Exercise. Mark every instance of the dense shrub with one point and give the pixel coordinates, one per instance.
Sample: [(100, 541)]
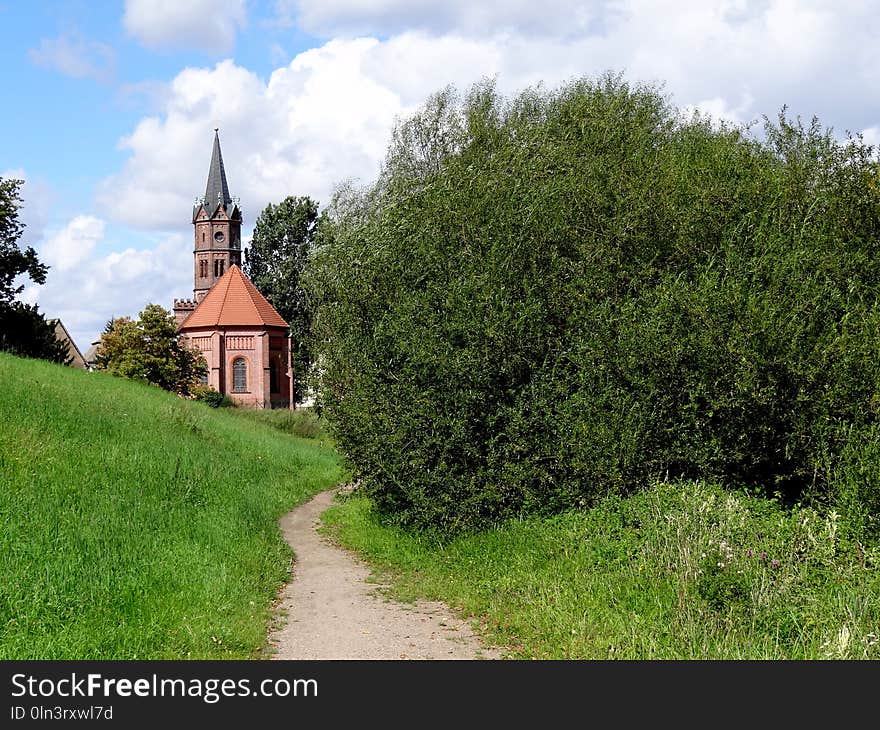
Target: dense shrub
[(548, 299), (211, 397)]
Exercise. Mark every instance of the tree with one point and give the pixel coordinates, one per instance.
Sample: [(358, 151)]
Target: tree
[(568, 294), (150, 349), (23, 330), (284, 237)]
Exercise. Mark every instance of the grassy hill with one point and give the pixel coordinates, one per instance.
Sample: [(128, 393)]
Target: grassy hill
[(137, 525)]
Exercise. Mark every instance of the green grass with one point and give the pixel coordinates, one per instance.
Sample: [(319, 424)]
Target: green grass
[(302, 422), (681, 571), (134, 524)]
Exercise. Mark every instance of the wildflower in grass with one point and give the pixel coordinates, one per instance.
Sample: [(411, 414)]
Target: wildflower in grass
[(749, 552), (774, 563), (764, 555)]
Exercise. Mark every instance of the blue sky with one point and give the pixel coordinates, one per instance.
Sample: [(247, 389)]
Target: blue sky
[(111, 105)]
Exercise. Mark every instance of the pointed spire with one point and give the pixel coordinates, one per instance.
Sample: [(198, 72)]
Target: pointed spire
[(217, 189)]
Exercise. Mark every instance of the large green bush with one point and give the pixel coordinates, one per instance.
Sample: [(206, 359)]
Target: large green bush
[(558, 296)]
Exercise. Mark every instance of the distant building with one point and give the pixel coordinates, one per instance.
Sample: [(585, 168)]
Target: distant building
[(243, 339), (63, 336), (91, 356)]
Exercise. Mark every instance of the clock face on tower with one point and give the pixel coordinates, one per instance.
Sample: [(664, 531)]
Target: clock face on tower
[(218, 236)]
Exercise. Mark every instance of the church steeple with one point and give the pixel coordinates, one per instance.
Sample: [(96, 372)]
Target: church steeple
[(217, 189), (217, 221)]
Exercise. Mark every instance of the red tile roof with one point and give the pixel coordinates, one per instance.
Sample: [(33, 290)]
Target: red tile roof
[(233, 300)]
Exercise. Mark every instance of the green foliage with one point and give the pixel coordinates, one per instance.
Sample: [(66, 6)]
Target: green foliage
[(567, 294), (13, 261), (207, 395), (680, 570), (150, 349), (139, 525), (284, 236), (719, 583), (23, 330)]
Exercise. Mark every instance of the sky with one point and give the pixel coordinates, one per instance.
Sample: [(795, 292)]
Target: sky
[(110, 106)]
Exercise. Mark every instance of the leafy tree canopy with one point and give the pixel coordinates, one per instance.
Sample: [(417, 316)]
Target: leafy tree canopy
[(24, 331), (574, 292), (150, 349), (284, 236)]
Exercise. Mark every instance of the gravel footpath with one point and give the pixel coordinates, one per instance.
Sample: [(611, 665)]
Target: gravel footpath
[(332, 612)]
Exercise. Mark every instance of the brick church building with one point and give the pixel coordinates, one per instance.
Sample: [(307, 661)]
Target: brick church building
[(243, 339)]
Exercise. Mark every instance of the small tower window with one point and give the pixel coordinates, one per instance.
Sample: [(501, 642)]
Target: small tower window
[(239, 375)]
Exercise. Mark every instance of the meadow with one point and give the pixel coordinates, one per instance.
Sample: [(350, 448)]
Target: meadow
[(137, 525)]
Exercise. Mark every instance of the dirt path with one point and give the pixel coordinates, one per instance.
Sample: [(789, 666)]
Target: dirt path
[(333, 613)]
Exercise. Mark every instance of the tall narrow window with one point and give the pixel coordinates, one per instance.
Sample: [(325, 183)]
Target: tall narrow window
[(221, 266), (216, 266), (239, 375), (273, 376)]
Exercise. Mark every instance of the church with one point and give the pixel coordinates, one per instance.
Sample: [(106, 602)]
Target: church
[(240, 334)]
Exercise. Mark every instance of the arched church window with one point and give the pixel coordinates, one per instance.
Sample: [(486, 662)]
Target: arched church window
[(239, 375), (222, 263)]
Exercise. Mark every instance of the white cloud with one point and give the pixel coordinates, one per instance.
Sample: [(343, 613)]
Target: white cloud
[(385, 17), (72, 244), (202, 24), (102, 286), (327, 115), (777, 51), (718, 109), (315, 121), (871, 135), (73, 55)]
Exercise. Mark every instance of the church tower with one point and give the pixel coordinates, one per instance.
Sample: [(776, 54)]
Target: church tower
[(217, 223), (245, 342)]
